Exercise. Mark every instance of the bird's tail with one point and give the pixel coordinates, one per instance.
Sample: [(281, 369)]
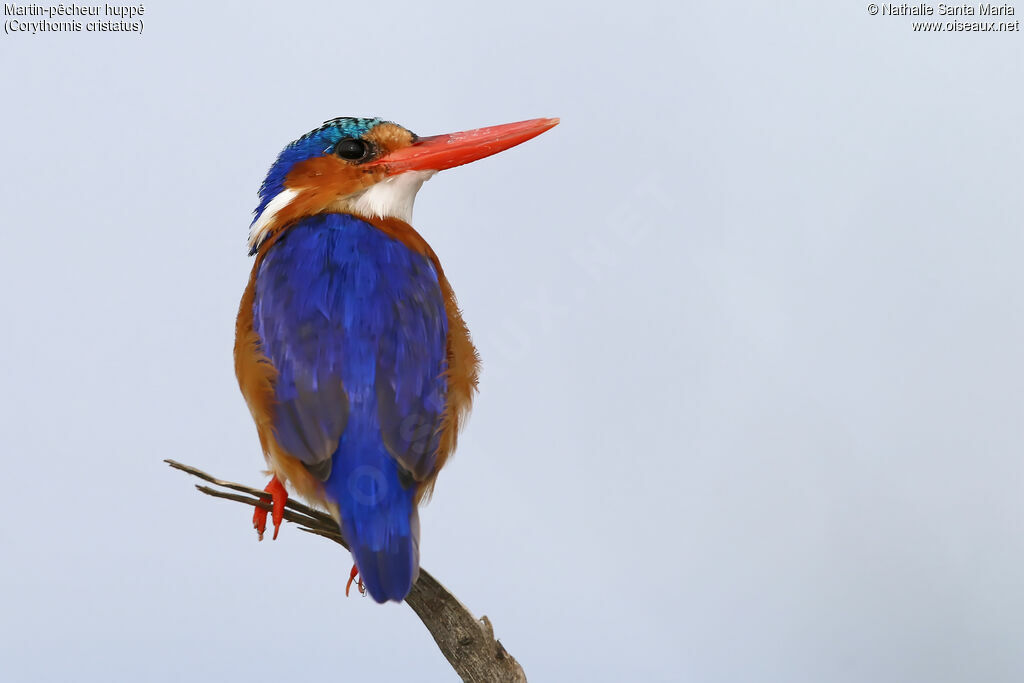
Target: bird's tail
[(380, 522)]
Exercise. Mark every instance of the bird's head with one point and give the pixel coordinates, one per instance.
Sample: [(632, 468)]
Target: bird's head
[(368, 167)]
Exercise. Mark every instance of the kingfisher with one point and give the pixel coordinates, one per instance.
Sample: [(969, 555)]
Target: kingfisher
[(350, 348)]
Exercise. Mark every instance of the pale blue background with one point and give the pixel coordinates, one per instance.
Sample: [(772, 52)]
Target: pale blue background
[(750, 319)]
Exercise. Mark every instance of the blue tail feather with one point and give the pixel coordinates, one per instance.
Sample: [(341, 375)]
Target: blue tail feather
[(378, 517)]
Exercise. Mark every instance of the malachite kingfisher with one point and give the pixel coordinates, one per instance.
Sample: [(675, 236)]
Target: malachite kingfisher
[(350, 348)]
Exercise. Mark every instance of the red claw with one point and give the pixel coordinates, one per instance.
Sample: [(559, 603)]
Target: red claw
[(352, 577), (278, 497)]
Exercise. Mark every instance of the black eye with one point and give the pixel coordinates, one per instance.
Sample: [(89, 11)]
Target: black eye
[(352, 149)]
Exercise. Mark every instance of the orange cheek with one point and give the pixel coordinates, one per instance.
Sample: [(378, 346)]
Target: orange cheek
[(320, 182), (331, 173)]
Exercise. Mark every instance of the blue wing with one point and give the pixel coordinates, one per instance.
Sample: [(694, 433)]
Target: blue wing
[(354, 322)]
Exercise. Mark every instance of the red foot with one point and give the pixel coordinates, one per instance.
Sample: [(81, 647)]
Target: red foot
[(278, 497), (352, 577)]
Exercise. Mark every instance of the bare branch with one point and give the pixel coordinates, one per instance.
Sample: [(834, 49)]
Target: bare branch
[(467, 643), (291, 503)]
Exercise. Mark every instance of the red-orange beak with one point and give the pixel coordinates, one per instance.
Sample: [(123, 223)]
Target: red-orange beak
[(438, 152)]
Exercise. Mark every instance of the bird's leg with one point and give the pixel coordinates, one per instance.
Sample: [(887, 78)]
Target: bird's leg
[(352, 577), (278, 497)]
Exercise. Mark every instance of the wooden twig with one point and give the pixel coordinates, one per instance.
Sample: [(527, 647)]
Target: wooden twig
[(467, 643)]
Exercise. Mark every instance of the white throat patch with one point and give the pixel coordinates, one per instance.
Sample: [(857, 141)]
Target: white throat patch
[(390, 198)]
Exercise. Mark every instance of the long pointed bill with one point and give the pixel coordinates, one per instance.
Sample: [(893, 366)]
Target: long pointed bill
[(438, 152)]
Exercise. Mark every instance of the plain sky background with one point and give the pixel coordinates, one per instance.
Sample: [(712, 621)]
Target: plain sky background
[(751, 323)]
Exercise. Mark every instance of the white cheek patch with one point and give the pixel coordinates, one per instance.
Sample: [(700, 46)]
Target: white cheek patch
[(390, 198), (261, 226)]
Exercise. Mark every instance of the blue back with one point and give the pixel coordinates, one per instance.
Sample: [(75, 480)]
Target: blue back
[(354, 322)]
